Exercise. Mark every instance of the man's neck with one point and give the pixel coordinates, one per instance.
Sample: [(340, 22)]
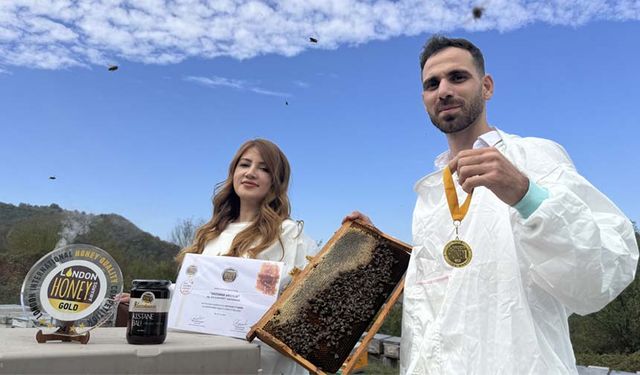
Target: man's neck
[(464, 140)]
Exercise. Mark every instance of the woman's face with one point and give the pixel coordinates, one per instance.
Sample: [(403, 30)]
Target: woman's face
[(251, 178)]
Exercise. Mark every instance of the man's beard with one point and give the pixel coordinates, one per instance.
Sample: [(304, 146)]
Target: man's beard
[(469, 113)]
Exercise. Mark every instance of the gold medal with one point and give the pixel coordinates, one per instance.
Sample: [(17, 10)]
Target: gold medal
[(457, 253)]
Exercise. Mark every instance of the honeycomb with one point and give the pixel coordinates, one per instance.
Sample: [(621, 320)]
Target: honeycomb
[(325, 316)]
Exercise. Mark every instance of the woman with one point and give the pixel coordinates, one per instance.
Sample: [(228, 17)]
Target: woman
[(251, 220)]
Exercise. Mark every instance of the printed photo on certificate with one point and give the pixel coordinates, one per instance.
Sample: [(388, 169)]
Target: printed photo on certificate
[(223, 295)]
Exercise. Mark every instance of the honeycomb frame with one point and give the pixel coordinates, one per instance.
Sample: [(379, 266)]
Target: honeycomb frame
[(356, 249)]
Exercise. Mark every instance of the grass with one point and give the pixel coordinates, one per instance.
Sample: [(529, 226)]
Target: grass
[(375, 366)]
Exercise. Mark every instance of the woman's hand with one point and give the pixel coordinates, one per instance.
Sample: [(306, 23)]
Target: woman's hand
[(123, 297)]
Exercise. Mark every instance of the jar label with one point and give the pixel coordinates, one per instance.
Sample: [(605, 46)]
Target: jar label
[(149, 303)]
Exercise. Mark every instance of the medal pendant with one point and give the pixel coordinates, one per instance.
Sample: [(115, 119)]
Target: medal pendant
[(457, 253)]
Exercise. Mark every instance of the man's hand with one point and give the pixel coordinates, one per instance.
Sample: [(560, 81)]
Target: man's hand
[(489, 168), (357, 215)]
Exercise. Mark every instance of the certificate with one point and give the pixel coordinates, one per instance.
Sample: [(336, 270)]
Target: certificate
[(223, 295)]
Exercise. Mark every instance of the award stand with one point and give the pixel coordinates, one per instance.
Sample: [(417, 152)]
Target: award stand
[(75, 289), (65, 333)]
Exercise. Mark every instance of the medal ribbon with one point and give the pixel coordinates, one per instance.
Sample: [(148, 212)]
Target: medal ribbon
[(457, 212), (456, 253)]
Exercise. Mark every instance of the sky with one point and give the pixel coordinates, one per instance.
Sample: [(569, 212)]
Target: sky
[(196, 79)]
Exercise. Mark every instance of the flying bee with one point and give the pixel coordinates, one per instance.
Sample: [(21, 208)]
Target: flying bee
[(477, 12)]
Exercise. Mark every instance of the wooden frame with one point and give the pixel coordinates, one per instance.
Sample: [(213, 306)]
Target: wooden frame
[(258, 330)]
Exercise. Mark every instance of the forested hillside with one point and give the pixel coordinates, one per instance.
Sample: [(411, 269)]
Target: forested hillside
[(28, 232)]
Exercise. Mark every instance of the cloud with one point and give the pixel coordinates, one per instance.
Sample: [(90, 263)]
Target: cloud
[(55, 34), (241, 85)]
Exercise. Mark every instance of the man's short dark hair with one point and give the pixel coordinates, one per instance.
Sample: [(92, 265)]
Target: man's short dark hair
[(439, 42)]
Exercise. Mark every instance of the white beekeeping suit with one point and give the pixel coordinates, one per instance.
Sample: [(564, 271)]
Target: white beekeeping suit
[(506, 312)]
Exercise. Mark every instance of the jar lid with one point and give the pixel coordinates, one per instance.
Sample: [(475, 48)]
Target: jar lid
[(151, 284)]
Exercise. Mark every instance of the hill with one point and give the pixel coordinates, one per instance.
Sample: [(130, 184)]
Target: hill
[(28, 232)]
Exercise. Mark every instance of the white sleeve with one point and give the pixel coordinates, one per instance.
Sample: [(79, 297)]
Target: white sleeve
[(578, 245), (297, 245)]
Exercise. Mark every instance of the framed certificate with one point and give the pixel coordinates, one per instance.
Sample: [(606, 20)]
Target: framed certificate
[(223, 295)]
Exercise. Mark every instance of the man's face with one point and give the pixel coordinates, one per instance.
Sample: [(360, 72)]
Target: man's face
[(453, 90)]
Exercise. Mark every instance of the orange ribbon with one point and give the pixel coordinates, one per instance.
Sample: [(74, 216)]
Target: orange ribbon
[(457, 212)]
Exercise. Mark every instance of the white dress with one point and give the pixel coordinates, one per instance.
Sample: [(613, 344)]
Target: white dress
[(296, 247)]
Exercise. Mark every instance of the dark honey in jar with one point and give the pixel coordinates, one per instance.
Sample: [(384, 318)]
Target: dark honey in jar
[(148, 312)]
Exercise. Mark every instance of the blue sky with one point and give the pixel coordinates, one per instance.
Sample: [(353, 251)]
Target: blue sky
[(150, 140)]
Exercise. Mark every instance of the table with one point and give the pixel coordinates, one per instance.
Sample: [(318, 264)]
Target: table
[(109, 353)]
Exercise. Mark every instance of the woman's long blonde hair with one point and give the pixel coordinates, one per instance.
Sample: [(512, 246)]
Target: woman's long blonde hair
[(274, 209)]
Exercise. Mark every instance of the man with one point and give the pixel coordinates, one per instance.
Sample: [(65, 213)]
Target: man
[(490, 292)]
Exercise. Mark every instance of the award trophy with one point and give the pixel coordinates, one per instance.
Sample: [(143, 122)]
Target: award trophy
[(73, 288)]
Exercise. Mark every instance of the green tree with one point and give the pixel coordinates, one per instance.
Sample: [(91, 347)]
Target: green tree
[(35, 236), (392, 324), (26, 242)]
